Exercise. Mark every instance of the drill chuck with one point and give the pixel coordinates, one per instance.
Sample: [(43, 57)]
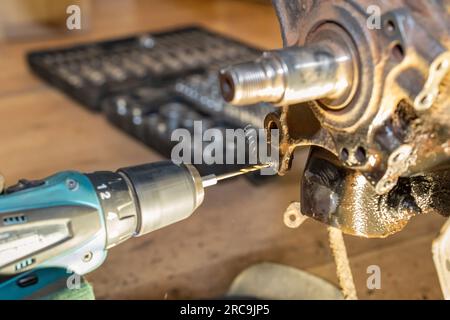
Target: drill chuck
[(164, 193), (141, 199)]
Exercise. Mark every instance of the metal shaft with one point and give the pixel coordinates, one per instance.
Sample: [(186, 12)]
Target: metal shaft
[(290, 75)]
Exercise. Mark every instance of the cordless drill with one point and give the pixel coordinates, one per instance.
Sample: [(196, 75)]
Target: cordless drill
[(69, 221)]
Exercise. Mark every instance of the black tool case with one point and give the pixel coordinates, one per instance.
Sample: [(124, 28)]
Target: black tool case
[(152, 83)]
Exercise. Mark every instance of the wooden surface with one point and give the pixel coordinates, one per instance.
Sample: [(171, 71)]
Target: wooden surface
[(43, 131)]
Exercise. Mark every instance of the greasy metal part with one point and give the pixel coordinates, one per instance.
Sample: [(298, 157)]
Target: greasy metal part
[(398, 121), (343, 198), (297, 127), (324, 70), (343, 270), (387, 129), (441, 258)]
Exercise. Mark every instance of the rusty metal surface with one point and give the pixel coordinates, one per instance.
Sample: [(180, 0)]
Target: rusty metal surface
[(343, 198), (401, 107), (379, 128), (391, 142)]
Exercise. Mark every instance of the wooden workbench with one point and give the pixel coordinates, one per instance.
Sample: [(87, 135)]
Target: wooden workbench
[(43, 131)]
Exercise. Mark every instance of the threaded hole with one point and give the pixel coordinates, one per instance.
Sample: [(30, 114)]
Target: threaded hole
[(360, 155), (344, 154), (390, 27), (272, 126), (227, 87), (398, 53)]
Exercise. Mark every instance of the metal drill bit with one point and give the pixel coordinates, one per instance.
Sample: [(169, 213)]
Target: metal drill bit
[(212, 179)]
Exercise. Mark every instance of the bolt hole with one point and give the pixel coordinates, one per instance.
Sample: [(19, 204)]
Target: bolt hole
[(387, 183), (272, 126), (227, 87), (398, 53), (390, 27), (344, 154), (426, 100), (360, 155), (442, 65)]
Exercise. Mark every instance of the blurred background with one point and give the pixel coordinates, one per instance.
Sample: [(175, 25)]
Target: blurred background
[(43, 131)]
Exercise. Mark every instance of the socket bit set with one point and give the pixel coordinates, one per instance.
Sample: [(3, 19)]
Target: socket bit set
[(90, 72), (151, 84), (152, 114)]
